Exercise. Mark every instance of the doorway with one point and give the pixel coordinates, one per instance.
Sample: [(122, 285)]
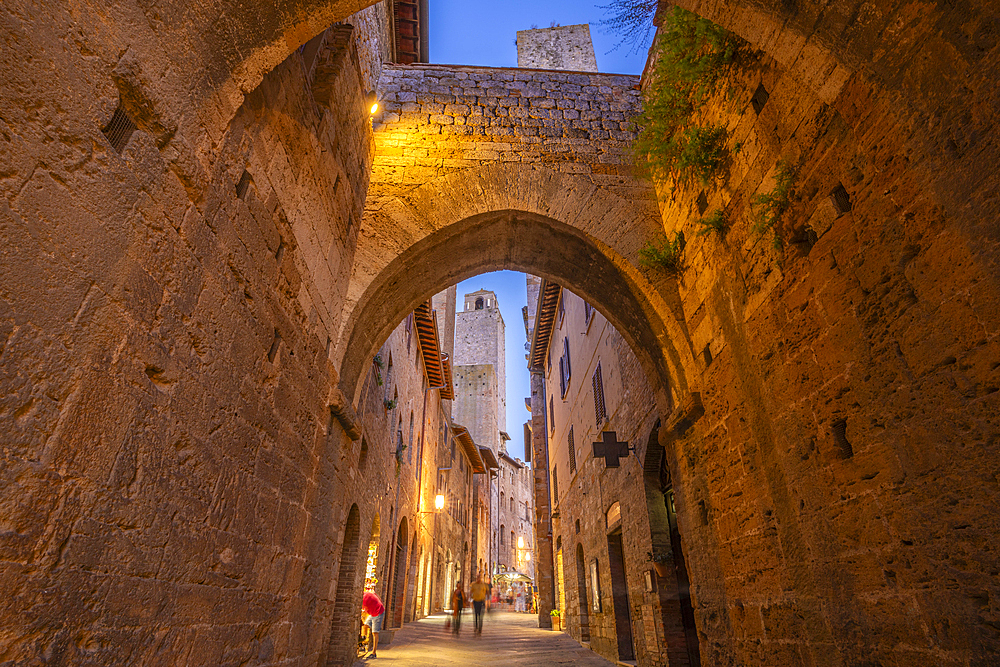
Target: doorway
[(683, 584), (581, 585), (398, 587), (619, 596)]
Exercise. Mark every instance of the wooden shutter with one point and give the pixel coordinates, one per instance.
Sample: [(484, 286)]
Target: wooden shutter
[(600, 411), (572, 450)]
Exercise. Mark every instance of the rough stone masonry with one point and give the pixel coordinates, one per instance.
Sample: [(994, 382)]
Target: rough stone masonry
[(172, 335)]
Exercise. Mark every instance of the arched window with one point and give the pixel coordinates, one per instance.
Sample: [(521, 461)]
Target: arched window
[(501, 534), (512, 504), (501, 499), (479, 303)]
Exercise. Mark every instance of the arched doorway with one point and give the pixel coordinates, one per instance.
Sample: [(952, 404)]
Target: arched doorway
[(581, 585), (411, 580), (398, 586), (341, 640)]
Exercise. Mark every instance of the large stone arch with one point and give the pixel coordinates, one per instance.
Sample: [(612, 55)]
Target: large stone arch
[(533, 243)]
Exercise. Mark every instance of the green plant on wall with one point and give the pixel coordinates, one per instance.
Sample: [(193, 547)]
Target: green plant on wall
[(664, 253), (717, 222), (768, 207), (691, 55)]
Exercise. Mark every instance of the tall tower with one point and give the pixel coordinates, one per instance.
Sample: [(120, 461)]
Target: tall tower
[(480, 405), (481, 399)]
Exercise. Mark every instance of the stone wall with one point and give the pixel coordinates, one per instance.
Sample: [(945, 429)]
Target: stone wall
[(844, 376), (437, 119)]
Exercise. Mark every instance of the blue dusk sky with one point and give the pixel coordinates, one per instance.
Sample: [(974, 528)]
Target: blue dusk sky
[(474, 32)]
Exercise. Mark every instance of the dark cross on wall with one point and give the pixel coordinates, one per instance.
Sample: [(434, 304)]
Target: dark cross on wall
[(610, 449)]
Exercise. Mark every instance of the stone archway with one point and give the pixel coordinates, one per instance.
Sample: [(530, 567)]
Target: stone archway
[(341, 640), (531, 243)]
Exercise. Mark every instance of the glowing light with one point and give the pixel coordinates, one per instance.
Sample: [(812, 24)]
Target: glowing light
[(520, 542), (527, 556), (439, 502), (374, 108)]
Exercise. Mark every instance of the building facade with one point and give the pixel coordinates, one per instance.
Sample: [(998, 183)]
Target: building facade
[(618, 570)]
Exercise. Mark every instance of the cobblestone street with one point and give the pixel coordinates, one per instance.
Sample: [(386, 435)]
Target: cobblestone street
[(507, 639)]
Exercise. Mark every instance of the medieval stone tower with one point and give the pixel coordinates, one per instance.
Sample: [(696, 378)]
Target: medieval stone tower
[(480, 371), (567, 47)]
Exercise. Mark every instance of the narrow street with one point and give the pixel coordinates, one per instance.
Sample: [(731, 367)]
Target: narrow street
[(508, 639)]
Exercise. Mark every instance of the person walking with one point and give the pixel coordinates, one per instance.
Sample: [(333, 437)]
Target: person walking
[(478, 603), (373, 612), (457, 602)]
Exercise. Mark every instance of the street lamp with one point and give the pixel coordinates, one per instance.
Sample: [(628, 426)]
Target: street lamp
[(439, 502)]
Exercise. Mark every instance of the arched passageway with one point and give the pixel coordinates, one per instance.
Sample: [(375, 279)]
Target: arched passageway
[(534, 244), (339, 646)]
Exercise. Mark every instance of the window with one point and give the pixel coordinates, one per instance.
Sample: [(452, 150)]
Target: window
[(527, 511), (588, 312), (600, 410), (759, 99), (501, 534), (555, 485), (409, 331), (399, 438), (572, 450), (564, 368), (479, 303), (562, 305), (552, 417), (512, 505), (409, 450)]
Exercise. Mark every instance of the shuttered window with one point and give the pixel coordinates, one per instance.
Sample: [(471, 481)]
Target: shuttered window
[(600, 411), (572, 450)]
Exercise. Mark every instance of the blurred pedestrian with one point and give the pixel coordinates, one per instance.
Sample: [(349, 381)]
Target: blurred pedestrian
[(457, 602), (479, 591)]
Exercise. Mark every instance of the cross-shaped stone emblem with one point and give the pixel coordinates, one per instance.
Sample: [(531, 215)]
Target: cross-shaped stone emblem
[(610, 449)]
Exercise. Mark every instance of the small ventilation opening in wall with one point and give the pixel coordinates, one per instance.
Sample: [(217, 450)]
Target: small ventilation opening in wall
[(577, 526), (702, 203), (244, 185), (119, 129), (275, 344), (280, 251), (841, 200), (707, 355), (839, 430), (364, 455), (759, 99)]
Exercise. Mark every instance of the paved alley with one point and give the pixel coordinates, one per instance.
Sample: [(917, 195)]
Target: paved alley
[(508, 639)]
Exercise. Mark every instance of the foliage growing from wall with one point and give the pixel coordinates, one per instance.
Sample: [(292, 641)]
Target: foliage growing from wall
[(769, 206), (664, 253), (691, 55), (717, 222)]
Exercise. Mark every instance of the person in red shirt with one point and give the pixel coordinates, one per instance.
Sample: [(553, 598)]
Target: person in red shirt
[(373, 611)]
